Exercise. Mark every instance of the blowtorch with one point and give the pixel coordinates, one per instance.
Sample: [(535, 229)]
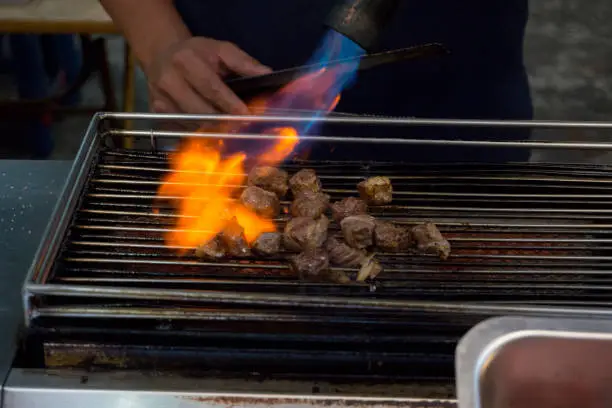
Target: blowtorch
[(362, 21)]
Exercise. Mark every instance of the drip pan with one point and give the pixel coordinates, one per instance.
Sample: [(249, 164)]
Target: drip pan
[(530, 362)]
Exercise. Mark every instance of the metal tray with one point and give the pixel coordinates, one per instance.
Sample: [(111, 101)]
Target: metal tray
[(534, 362)]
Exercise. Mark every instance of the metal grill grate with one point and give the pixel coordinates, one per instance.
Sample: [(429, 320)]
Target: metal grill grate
[(520, 233)]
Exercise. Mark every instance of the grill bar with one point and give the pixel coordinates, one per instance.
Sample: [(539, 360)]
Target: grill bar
[(360, 120), (408, 208), (191, 314)]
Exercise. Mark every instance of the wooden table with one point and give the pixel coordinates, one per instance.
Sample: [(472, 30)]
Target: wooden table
[(84, 17), (56, 16)]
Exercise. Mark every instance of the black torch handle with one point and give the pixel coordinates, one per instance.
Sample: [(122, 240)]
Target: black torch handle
[(248, 87)]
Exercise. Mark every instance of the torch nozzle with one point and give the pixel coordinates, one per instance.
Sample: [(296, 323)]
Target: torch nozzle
[(362, 20)]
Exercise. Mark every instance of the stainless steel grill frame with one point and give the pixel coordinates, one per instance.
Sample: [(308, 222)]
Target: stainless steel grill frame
[(529, 239)]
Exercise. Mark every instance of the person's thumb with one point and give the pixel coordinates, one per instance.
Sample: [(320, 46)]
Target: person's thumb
[(239, 62)]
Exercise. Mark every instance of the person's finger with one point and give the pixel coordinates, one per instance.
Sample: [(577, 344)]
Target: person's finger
[(208, 83), (159, 103), (239, 62), (174, 86)]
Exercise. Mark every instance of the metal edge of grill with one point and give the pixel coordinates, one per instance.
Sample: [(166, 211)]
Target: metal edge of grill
[(582, 258)]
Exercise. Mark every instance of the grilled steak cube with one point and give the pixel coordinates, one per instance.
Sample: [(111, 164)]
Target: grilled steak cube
[(212, 250), (369, 269), (270, 179), (309, 204), (429, 240), (389, 237), (376, 190), (233, 240), (343, 255), (313, 265), (358, 230), (305, 180), (268, 243), (304, 233), (260, 201), (348, 206)]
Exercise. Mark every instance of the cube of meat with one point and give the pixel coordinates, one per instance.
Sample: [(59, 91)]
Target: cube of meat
[(376, 190), (270, 179), (343, 255), (268, 244), (313, 265), (390, 237), (305, 180), (358, 230), (348, 206), (370, 269), (233, 240), (212, 250), (304, 233), (429, 240), (309, 204), (260, 201)]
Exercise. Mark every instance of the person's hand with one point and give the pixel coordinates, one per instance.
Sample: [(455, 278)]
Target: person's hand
[(188, 77)]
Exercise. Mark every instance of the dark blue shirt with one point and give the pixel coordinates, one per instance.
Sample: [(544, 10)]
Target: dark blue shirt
[(483, 78)]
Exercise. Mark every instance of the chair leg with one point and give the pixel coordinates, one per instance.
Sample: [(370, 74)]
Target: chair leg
[(110, 101), (106, 80), (129, 88)]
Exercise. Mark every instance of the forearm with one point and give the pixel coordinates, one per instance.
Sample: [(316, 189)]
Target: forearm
[(149, 26)]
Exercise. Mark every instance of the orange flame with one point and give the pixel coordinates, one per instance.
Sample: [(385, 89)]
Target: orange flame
[(204, 185), (283, 147)]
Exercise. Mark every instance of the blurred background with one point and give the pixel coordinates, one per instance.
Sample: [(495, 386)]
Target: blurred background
[(568, 52)]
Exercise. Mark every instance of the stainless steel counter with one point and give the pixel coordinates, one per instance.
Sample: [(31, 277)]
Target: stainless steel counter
[(28, 192)]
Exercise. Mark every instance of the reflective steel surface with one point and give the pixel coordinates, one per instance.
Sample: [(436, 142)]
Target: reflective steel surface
[(531, 362), (36, 388)]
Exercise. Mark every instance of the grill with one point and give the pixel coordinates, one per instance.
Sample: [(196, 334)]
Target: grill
[(106, 292)]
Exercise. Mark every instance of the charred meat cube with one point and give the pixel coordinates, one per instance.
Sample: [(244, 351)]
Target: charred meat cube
[(309, 204), (429, 240), (370, 269), (270, 179), (343, 255), (260, 201), (376, 190), (304, 233), (233, 240), (212, 250), (268, 244), (305, 180), (313, 265), (347, 207), (358, 230), (389, 237)]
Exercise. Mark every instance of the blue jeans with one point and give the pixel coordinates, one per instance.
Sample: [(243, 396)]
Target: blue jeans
[(37, 60)]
